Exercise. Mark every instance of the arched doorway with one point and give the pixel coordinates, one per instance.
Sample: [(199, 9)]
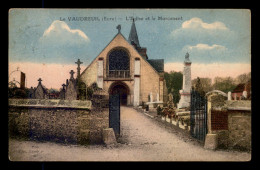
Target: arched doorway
[(121, 89)]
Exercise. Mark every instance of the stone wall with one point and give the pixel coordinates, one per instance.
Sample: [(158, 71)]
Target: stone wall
[(231, 121), (239, 131), (61, 124)]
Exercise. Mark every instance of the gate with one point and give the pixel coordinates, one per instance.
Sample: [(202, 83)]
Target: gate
[(114, 113), (198, 116)]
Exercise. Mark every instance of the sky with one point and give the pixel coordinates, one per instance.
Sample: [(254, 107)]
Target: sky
[(46, 43)]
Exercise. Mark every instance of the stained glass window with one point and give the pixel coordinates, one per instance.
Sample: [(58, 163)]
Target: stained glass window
[(118, 60)]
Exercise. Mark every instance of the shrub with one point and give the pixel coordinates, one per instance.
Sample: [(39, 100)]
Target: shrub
[(159, 110)]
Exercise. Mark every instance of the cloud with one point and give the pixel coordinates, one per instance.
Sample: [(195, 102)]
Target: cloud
[(195, 31), (61, 44), (206, 47), (208, 42), (197, 23), (59, 33), (205, 53)]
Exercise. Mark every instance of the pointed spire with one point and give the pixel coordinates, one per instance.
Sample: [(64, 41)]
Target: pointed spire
[(133, 35)]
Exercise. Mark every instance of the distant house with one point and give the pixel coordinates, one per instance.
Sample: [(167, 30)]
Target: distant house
[(237, 93), (53, 95)]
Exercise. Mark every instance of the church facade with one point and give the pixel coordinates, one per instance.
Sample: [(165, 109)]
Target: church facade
[(123, 67)]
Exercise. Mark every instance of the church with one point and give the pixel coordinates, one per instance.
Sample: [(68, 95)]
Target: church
[(123, 67)]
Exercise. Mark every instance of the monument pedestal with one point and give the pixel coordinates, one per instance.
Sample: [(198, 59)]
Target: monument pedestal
[(185, 100)]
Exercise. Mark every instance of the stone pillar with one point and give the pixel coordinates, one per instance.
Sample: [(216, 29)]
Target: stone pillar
[(151, 97), (244, 94), (100, 70), (186, 86), (137, 66), (229, 95), (157, 97), (128, 99), (161, 83), (211, 140)]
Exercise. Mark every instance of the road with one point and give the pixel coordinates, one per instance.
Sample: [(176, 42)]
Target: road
[(142, 139)]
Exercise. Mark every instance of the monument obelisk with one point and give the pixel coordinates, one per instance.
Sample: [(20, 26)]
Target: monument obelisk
[(186, 85)]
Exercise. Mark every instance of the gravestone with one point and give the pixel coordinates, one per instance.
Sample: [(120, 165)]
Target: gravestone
[(170, 97), (170, 101), (71, 91), (157, 97), (40, 91), (62, 92), (31, 93), (151, 97), (244, 94), (229, 95)]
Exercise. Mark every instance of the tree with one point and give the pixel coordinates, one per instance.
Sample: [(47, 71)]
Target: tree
[(225, 84), (243, 78), (199, 88), (206, 84), (174, 84)]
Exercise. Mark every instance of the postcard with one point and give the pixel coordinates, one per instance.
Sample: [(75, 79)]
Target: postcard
[(129, 84)]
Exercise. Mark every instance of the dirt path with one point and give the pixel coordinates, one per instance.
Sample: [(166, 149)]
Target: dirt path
[(143, 139)]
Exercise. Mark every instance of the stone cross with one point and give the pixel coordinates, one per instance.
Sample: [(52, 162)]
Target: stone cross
[(71, 74), (78, 62), (119, 28), (63, 86), (40, 80), (78, 68)]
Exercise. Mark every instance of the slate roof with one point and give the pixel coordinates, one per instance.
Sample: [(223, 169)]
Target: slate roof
[(239, 89), (158, 64)]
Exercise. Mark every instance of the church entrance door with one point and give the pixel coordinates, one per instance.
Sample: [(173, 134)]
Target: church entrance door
[(121, 90)]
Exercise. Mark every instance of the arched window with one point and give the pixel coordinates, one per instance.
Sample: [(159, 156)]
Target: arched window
[(119, 64)]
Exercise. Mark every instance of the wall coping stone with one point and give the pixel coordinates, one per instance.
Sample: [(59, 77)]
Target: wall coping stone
[(240, 108), (51, 103)]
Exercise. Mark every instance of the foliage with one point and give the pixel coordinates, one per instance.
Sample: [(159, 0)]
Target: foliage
[(159, 110), (243, 78), (224, 84), (81, 90), (18, 93), (90, 92), (174, 84), (206, 84), (199, 88)]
